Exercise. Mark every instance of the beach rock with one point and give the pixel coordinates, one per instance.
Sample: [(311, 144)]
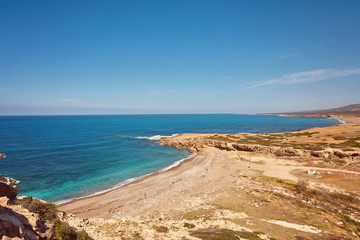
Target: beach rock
[(8, 187)]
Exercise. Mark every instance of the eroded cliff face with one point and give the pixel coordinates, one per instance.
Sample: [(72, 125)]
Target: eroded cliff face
[(8, 187), (197, 144), (17, 222)]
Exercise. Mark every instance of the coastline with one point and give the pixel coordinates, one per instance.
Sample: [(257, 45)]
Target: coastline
[(172, 167), (128, 181), (232, 185), (115, 191), (157, 138)]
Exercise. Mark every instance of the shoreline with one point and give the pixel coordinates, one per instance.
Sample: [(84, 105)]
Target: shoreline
[(172, 166), (135, 183), (129, 181), (140, 179), (237, 181)]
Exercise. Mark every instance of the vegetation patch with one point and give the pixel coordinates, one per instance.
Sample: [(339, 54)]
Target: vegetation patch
[(197, 214), (189, 225), (220, 138), (279, 140), (46, 211), (279, 153), (300, 134), (339, 138), (161, 229), (135, 236), (349, 223), (348, 150), (288, 184), (349, 143), (223, 234), (65, 232)]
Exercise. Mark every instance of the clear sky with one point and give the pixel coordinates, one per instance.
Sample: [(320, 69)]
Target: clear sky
[(178, 56)]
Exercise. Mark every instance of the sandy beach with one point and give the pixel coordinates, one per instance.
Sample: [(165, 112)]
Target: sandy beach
[(225, 188)]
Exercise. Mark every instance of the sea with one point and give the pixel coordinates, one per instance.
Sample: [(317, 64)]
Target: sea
[(59, 158)]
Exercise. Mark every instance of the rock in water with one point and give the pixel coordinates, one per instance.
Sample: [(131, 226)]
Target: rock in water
[(8, 187), (2, 155)]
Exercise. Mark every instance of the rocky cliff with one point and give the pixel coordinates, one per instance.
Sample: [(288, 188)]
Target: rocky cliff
[(196, 144), (17, 222), (8, 188)]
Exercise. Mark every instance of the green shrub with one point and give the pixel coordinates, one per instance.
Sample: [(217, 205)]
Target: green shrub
[(161, 229), (189, 225), (63, 231), (46, 211), (348, 150), (279, 153), (223, 234), (82, 235), (339, 138)]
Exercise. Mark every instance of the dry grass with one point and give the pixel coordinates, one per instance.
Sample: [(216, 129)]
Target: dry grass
[(198, 213), (161, 229)]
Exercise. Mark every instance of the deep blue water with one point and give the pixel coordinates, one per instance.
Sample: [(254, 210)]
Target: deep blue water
[(61, 157)]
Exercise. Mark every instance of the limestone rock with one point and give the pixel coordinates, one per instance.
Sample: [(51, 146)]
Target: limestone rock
[(8, 187), (17, 222), (15, 225), (196, 144)]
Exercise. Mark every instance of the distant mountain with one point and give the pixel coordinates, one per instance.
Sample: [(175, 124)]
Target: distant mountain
[(348, 108), (353, 109)]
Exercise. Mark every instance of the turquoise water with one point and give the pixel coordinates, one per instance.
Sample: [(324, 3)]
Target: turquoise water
[(62, 157)]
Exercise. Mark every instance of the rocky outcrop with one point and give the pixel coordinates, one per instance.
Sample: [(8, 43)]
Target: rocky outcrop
[(196, 144), (17, 222), (15, 225), (8, 187), (191, 144)]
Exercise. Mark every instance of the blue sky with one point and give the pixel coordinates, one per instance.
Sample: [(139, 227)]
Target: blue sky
[(106, 57)]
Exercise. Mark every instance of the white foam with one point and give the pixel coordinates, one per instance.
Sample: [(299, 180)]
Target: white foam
[(128, 181), (177, 163), (156, 137), (341, 121)]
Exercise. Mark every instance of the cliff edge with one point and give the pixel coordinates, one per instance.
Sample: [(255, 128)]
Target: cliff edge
[(30, 218)]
